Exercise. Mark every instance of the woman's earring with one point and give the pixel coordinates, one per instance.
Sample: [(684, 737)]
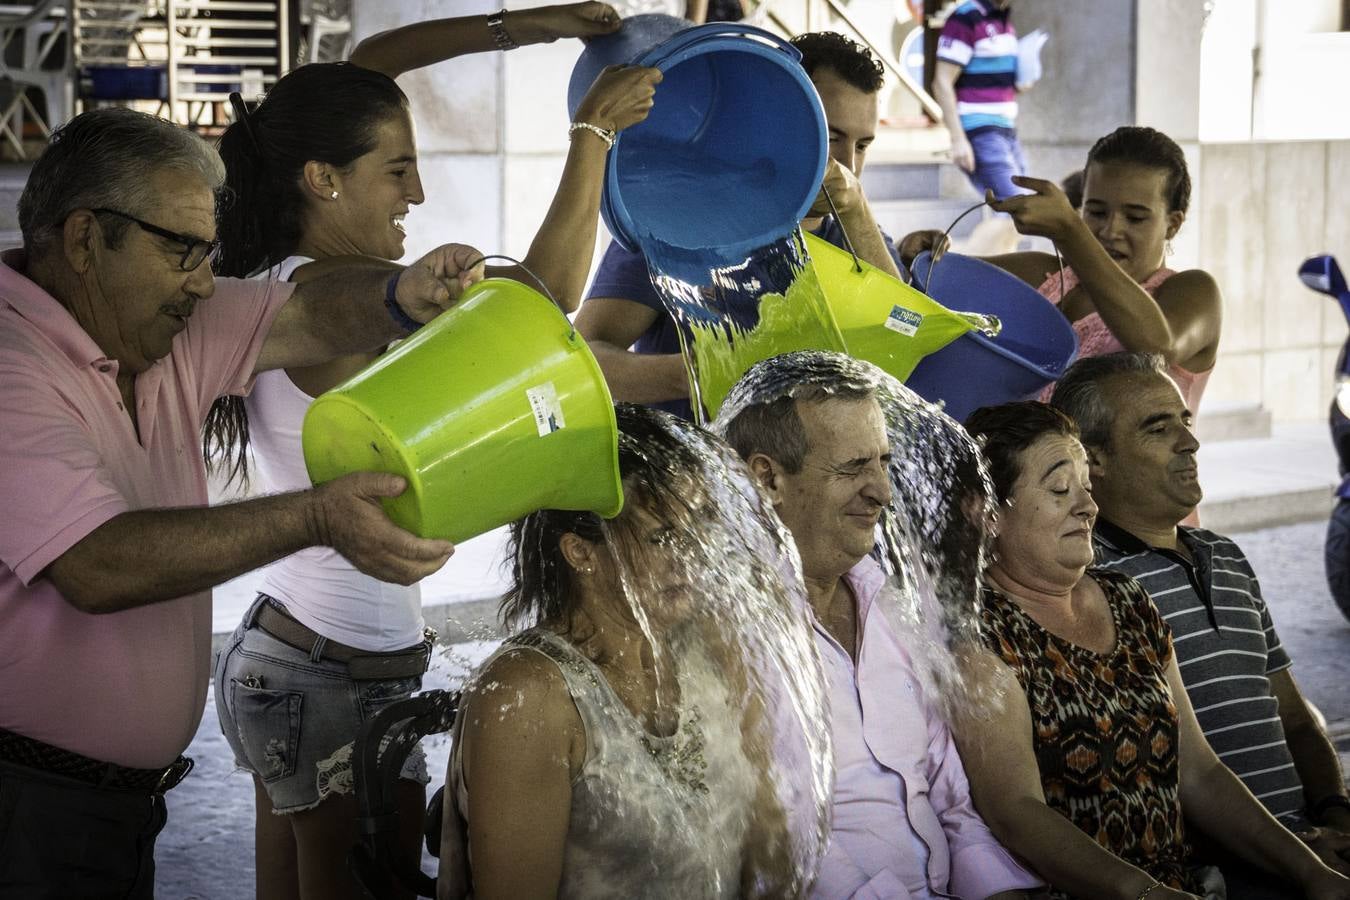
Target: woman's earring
[(1167, 246), (333, 196)]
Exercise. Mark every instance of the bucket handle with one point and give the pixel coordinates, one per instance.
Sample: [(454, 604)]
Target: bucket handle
[(524, 268), (848, 241), (946, 242), (691, 36)]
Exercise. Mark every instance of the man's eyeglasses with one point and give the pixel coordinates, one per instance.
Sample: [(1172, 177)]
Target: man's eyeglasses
[(195, 250)]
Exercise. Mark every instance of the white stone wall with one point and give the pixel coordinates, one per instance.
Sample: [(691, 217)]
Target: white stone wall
[(1263, 209), (492, 132)]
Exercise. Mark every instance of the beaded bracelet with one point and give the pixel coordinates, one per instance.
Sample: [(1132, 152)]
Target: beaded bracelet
[(501, 38), (603, 133), (401, 318), (1148, 890)]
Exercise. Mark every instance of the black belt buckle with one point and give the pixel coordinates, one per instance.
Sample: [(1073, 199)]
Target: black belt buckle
[(174, 774)]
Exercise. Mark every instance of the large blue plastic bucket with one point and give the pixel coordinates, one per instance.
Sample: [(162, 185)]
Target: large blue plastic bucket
[(1034, 347), (730, 158)]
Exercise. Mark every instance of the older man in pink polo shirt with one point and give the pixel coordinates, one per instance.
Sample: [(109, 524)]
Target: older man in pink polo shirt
[(114, 341), (903, 824)]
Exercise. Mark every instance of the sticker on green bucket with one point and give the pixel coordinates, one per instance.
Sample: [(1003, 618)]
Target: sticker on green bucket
[(904, 321), (548, 414)]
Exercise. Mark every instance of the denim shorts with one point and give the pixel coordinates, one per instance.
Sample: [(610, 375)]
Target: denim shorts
[(292, 719)]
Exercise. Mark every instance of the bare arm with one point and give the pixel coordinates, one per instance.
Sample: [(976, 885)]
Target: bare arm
[(944, 92), (1182, 324), (340, 306), (147, 556), (1319, 768), (523, 742), (560, 254), (996, 746), (855, 216), (422, 44), (1216, 801), (610, 326)]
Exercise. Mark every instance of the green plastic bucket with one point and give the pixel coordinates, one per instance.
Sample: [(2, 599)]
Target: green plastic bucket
[(883, 320), (835, 304), (493, 410)]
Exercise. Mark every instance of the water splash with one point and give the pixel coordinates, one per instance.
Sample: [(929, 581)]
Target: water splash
[(711, 581), (731, 316), (933, 540)]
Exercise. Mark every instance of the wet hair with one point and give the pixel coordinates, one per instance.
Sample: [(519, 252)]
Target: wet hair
[(1005, 431), (100, 159), (654, 453), (1084, 395), (1138, 145), (775, 428), (849, 59), (324, 112), (1072, 185)]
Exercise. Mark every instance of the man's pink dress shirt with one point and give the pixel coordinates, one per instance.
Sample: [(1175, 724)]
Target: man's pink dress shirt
[(904, 825), (126, 687)]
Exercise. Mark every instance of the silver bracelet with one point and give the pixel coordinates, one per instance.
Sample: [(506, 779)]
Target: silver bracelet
[(496, 23), (603, 133)]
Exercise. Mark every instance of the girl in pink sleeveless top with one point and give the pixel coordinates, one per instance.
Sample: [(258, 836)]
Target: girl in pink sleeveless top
[(1096, 339), (1136, 189)]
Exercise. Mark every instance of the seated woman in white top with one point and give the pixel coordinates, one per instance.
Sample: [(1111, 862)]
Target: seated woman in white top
[(688, 759)]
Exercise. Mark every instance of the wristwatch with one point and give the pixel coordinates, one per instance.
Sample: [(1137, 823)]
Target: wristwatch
[(496, 23)]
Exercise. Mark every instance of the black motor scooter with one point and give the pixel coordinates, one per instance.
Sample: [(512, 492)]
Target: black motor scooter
[(1322, 274)]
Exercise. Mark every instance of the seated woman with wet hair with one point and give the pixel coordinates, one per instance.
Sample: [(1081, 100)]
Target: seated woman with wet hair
[(652, 763), (1087, 767)]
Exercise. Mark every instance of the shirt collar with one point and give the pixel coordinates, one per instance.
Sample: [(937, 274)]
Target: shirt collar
[(44, 312), (1118, 538), (865, 580)]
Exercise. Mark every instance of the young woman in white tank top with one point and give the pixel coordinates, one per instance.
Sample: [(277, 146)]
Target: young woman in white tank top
[(326, 166)]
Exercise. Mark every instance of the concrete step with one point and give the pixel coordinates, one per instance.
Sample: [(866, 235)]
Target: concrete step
[(883, 182), (903, 142), (899, 217), (1254, 483), (1232, 422)]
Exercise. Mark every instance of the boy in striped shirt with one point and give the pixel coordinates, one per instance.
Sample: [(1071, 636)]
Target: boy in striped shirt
[(975, 83), (1141, 455)]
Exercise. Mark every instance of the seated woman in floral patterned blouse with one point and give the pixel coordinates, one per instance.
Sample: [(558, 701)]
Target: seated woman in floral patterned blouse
[(1086, 768), (621, 746)]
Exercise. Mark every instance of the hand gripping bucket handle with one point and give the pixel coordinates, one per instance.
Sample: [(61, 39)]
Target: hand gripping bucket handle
[(686, 39)]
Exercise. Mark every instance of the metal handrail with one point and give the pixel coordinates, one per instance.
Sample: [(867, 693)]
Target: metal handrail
[(925, 99)]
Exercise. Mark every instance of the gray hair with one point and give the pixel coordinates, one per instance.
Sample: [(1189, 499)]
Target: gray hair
[(101, 159), (760, 414), (1084, 395)]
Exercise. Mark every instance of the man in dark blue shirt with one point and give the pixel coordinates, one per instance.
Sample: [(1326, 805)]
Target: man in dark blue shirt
[(623, 310)]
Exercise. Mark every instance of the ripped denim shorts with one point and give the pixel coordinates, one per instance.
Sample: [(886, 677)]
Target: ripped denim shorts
[(291, 720)]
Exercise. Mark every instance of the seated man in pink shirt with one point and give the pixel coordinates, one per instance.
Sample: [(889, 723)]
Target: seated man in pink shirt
[(903, 823), (114, 340)]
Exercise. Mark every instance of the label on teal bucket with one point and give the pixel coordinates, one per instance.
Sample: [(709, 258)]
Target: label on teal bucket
[(548, 414), (905, 321)]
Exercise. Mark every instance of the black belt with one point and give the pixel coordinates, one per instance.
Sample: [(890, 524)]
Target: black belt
[(34, 754), (362, 665)]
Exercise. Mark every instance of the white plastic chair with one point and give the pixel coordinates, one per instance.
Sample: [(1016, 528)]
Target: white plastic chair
[(42, 66)]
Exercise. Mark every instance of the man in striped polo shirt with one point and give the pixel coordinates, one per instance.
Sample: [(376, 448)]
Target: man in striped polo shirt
[(975, 83), (1141, 455)]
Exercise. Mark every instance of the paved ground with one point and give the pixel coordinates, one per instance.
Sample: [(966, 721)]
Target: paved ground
[(207, 850)]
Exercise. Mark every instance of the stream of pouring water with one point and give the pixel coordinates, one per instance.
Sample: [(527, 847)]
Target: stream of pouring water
[(736, 315)]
